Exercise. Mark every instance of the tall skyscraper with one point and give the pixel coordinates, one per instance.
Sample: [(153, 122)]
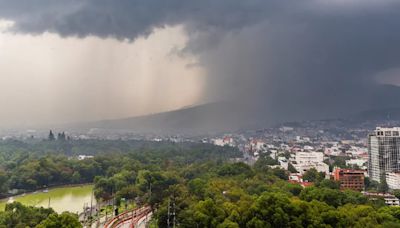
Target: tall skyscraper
[(383, 152)]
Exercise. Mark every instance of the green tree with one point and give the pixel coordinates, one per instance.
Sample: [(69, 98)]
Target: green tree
[(3, 182), (370, 184), (280, 173), (330, 196), (18, 215), (396, 193), (312, 175), (65, 220), (239, 168), (271, 210), (295, 189), (383, 186), (197, 187), (264, 161), (291, 168), (326, 183), (208, 214), (76, 178)]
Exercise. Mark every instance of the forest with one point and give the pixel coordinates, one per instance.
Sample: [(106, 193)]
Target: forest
[(28, 166), (203, 184)]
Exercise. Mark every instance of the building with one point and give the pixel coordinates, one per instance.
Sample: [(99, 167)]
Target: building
[(283, 162), (383, 152), (392, 201), (298, 179), (320, 167), (226, 141), (304, 161), (349, 179), (393, 180), (309, 157), (359, 162), (83, 157), (258, 145)]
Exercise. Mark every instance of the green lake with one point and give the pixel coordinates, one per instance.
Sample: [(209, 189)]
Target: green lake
[(70, 199)]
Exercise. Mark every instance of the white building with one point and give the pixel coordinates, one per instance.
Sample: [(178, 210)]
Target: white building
[(357, 151), (284, 146), (301, 139), (383, 152), (295, 178), (392, 201), (274, 154), (308, 157), (308, 148), (393, 180), (304, 161), (359, 162), (285, 129), (83, 157), (258, 145), (334, 151), (320, 167), (270, 146), (283, 162), (226, 141)]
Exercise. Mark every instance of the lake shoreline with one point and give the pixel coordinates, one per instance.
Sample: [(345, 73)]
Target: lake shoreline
[(41, 189), (72, 198)]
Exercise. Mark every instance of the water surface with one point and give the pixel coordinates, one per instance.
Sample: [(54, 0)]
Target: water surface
[(70, 199)]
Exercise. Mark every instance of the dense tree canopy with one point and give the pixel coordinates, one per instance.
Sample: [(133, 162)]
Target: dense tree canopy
[(200, 182), (17, 215), (28, 166)]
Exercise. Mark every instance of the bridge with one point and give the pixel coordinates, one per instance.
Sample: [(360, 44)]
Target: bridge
[(137, 218)]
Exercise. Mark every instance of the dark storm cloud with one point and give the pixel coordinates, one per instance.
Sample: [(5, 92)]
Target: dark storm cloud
[(304, 59), (129, 18), (311, 63)]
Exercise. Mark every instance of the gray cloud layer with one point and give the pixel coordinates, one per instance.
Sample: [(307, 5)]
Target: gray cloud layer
[(290, 59)]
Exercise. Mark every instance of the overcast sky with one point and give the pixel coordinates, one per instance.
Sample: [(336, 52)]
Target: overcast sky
[(67, 61), (46, 78)]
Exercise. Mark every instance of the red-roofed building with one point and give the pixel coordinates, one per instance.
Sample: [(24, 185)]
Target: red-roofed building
[(298, 179)]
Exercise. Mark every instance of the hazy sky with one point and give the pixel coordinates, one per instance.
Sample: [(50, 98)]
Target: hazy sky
[(77, 60), (46, 78)]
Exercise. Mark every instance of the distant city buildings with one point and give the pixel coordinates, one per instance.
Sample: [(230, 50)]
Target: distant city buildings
[(225, 141), (383, 152), (349, 179)]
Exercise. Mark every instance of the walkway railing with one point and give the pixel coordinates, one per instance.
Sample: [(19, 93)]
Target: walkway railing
[(133, 215)]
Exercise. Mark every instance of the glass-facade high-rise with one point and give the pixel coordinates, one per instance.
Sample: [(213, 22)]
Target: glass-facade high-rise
[(383, 152)]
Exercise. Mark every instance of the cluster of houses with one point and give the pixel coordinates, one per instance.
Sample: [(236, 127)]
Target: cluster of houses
[(304, 154)]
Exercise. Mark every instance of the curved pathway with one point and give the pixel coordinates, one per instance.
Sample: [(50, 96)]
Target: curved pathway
[(134, 218)]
